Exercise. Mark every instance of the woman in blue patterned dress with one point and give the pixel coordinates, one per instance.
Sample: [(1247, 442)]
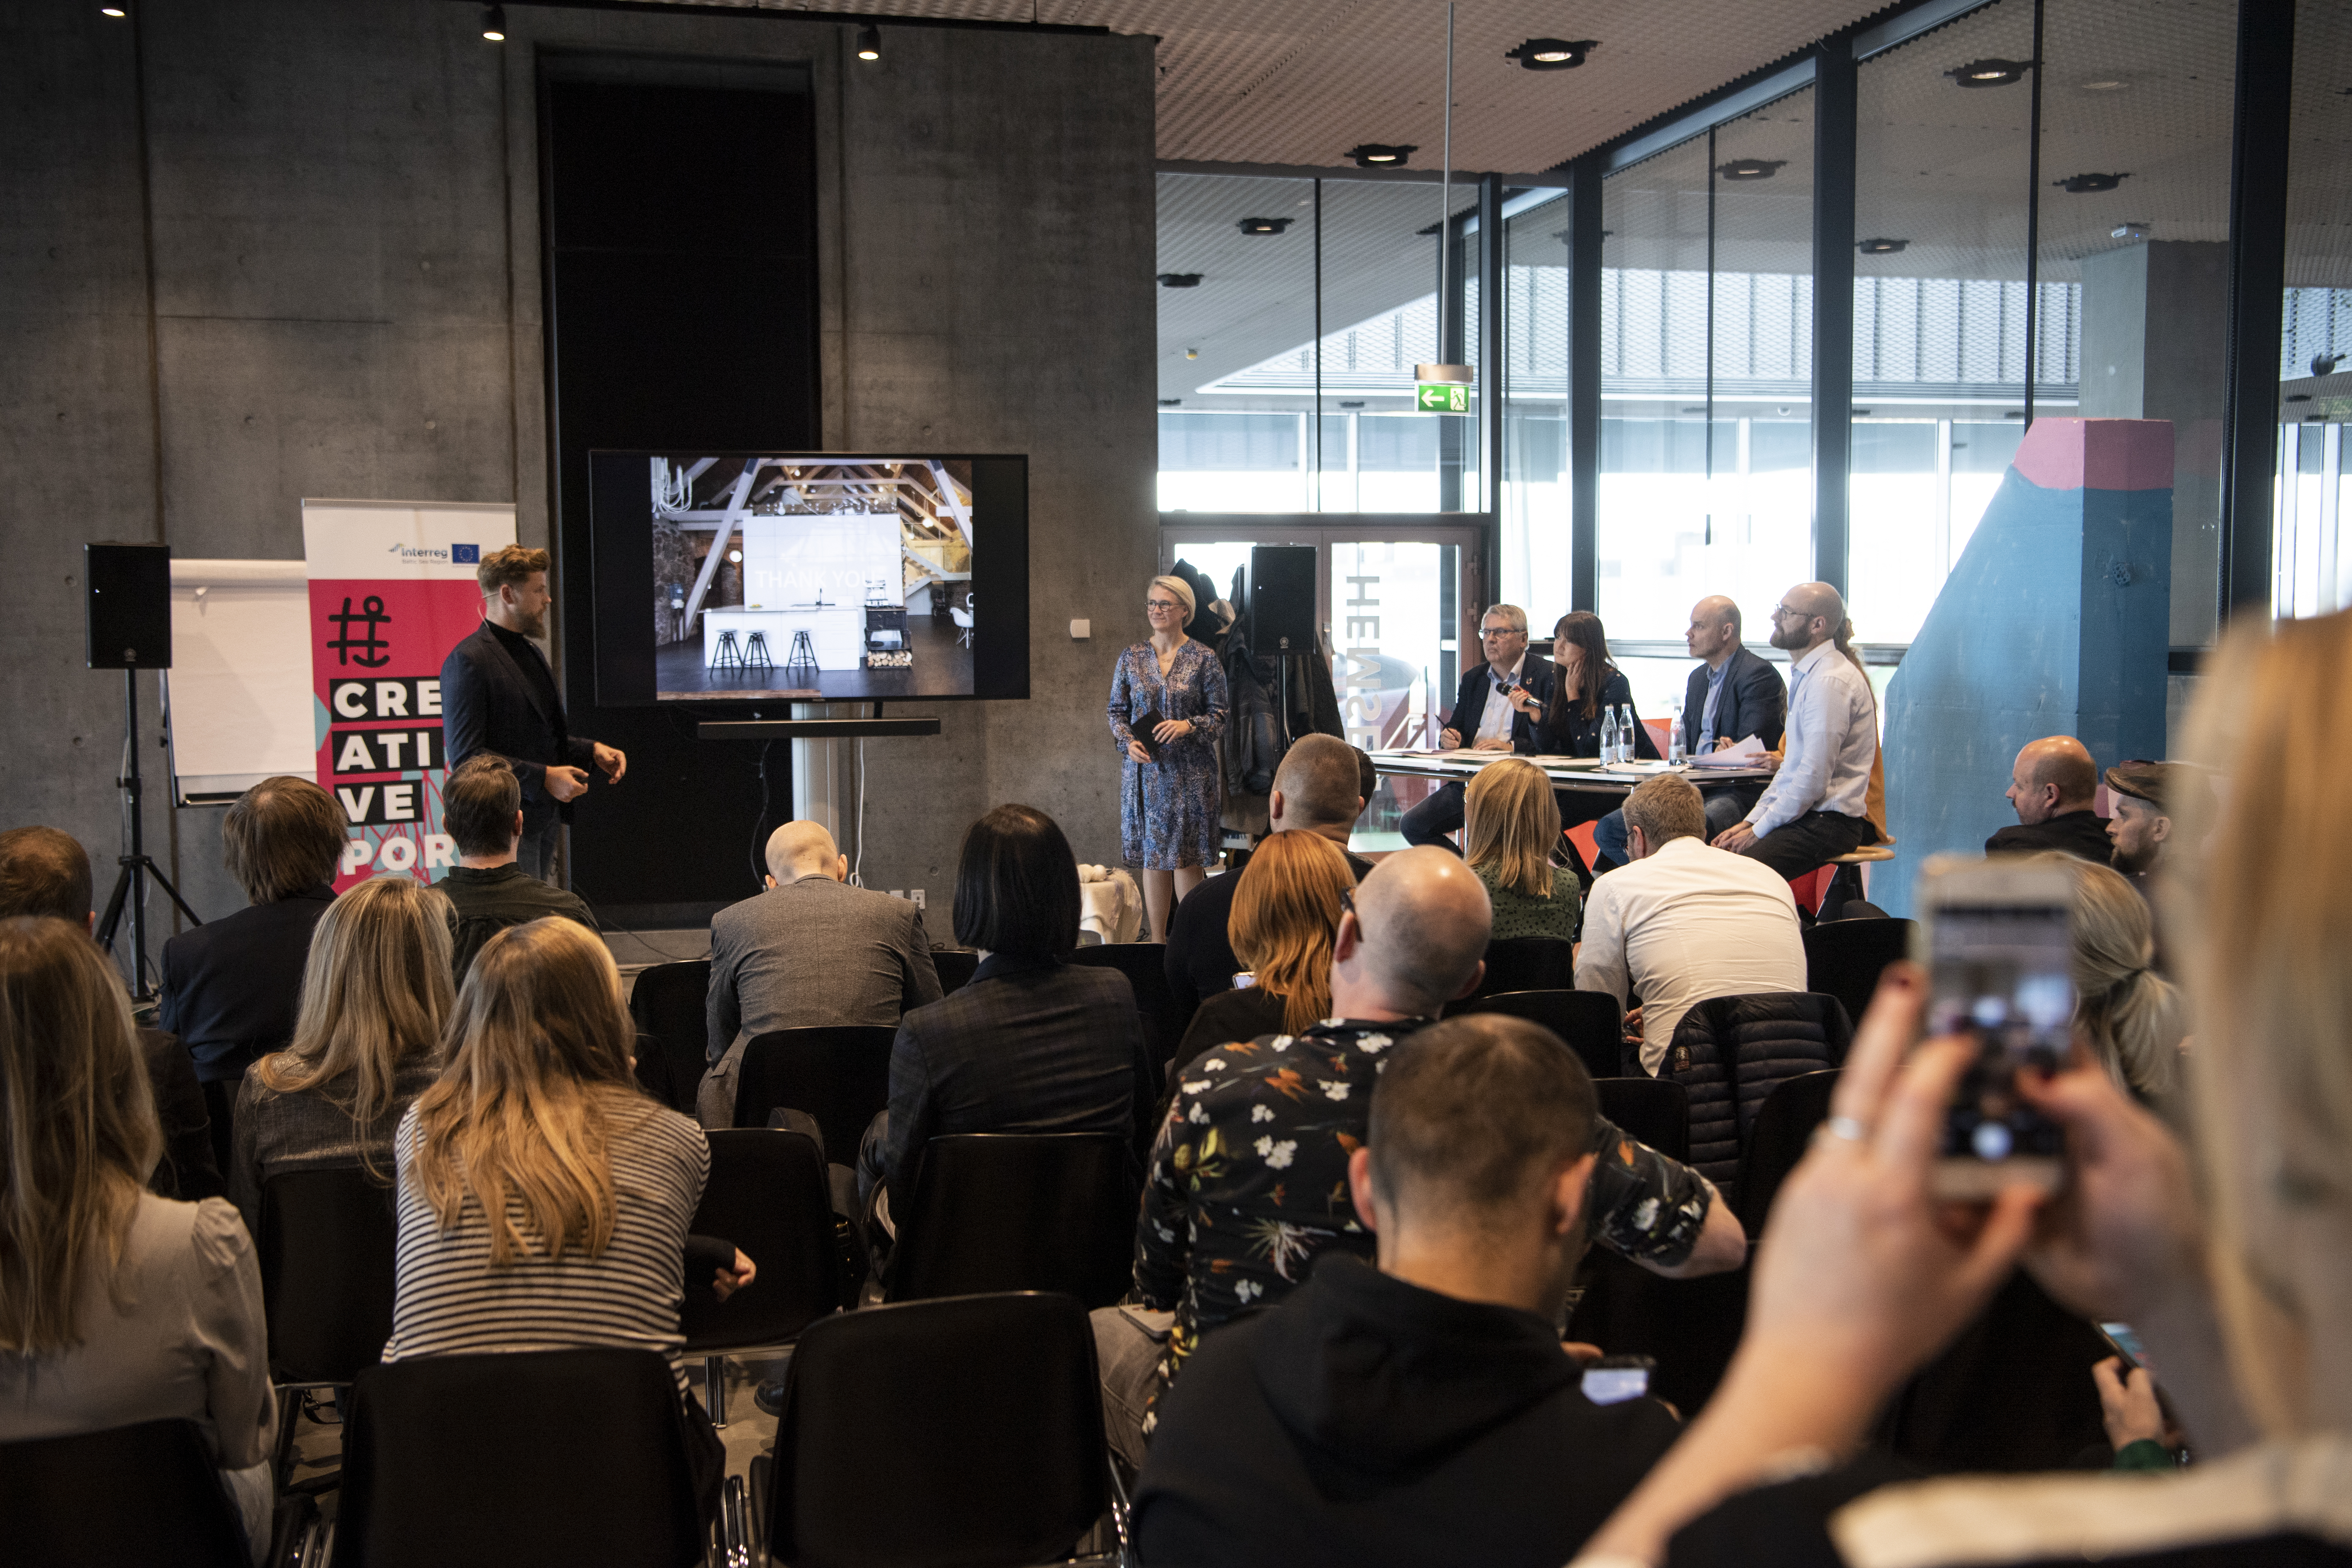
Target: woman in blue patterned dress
[(1168, 808)]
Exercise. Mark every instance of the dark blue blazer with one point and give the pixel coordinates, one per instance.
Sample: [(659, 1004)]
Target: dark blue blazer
[(1470, 701), (489, 704), (1754, 701), (232, 986)]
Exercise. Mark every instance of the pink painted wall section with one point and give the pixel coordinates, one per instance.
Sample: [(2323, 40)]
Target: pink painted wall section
[(2097, 454)]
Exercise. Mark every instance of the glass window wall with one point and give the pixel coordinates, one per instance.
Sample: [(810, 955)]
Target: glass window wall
[(2312, 547)]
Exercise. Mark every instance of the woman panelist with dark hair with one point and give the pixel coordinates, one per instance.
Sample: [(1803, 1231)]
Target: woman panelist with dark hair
[(1167, 708), (1586, 684), (1034, 1044)]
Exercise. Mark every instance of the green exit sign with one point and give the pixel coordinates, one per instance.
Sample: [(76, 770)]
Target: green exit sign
[(1441, 396)]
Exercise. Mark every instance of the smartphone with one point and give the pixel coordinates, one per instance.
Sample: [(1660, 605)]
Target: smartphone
[(2125, 1344), (1243, 980), (1613, 1380), (1997, 942)]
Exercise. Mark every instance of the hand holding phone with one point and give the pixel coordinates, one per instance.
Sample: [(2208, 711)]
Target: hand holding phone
[(1614, 1379)]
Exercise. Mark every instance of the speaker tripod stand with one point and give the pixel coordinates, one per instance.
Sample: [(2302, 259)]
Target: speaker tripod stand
[(138, 866)]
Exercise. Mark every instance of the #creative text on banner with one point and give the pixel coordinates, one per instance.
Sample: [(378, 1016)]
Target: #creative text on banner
[(391, 591)]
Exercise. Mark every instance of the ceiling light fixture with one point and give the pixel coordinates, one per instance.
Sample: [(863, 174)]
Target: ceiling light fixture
[(1751, 168), (1264, 224), (1357, 403), (1192, 353), (494, 24), (1880, 245), (2325, 364), (1992, 72), (2105, 84), (1172, 403), (2089, 184), (1180, 280), (2131, 229), (1380, 155), (869, 42), (117, 12), (1551, 54)]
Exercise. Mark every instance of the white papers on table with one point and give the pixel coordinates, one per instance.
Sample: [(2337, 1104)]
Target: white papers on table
[(1747, 753)]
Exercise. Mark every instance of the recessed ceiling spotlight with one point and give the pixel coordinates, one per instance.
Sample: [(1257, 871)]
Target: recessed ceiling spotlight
[(2089, 184), (494, 24), (1172, 403), (117, 12), (1180, 280), (1380, 155), (2105, 84), (734, 555), (1551, 54), (1192, 353), (1751, 168), (1992, 72), (869, 42), (1264, 224), (1882, 246)]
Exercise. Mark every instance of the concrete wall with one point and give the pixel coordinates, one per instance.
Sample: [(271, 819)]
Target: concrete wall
[(341, 204)]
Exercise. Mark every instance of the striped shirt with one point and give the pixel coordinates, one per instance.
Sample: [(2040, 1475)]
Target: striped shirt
[(450, 1301)]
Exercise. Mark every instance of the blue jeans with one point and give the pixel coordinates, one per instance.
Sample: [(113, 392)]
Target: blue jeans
[(1725, 804)]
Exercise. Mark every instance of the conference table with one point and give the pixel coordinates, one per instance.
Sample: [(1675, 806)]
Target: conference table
[(1583, 776)]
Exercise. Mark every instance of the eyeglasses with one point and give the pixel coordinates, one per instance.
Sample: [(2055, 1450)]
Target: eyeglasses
[(1347, 906), (1500, 632), (1780, 610), (1162, 605)]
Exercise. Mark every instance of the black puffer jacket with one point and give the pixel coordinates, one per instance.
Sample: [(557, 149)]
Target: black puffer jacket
[(1730, 1052)]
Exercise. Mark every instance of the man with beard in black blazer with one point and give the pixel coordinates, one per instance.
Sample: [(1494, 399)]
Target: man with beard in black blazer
[(1483, 719), (498, 695)]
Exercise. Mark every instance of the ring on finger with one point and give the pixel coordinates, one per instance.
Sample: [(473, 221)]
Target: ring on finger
[(1847, 1127)]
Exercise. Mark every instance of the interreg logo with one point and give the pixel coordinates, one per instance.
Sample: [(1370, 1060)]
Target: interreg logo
[(455, 555)]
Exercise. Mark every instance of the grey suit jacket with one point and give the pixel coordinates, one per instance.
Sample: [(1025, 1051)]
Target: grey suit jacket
[(807, 955)]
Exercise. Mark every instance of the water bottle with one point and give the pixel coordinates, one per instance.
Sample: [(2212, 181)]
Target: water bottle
[(1627, 728), (1674, 754), (1608, 736)]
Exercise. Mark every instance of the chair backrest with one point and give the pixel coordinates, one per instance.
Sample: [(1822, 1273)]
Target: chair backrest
[(147, 1494), (1020, 1211), (1730, 1051), (1655, 1110), (517, 1459), (666, 1001), (1529, 964), (1843, 958), (954, 965), (1777, 1140), (839, 1075), (767, 1194), (1591, 1022), (965, 1431), (1145, 964), (328, 1247)]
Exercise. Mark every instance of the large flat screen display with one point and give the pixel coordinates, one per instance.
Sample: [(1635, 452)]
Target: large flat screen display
[(809, 576)]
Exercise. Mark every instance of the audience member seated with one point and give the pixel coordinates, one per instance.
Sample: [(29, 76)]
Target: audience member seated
[(2051, 784), (537, 1121), (2145, 796), (481, 808), (1511, 826), (2234, 1277), (1827, 796), (116, 1306), (2128, 1016), (45, 872), (367, 1042), (1424, 1411), (1287, 907), (810, 952), (1034, 1044), (1730, 697), (1485, 718), (231, 986), (1321, 788), (1587, 687), (1248, 1178), (1684, 921)]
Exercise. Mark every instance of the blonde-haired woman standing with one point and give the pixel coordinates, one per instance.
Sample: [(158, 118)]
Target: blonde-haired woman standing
[(1511, 823), (1170, 791), (375, 994)]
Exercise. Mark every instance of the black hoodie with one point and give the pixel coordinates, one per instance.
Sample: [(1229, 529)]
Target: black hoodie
[(1368, 1421)]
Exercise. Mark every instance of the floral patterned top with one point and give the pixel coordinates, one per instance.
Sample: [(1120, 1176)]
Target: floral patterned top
[(1249, 1178)]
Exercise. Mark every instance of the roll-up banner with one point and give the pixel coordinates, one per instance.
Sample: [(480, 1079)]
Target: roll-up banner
[(391, 591)]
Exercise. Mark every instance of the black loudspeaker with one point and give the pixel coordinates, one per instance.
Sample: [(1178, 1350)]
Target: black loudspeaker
[(1281, 598), (128, 595)]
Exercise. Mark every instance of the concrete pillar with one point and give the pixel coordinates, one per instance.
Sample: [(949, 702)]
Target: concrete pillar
[(2154, 322)]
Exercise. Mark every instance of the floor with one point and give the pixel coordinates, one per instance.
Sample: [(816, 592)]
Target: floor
[(942, 667)]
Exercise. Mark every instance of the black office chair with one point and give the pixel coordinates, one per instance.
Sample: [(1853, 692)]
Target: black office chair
[(1019, 1211), (149, 1494), (965, 1431), (520, 1460), (954, 966), (1777, 1140), (1145, 964), (1843, 958), (327, 1251), (1591, 1022), (666, 1004), (1529, 964), (1655, 1110), (840, 1075), (767, 1194)]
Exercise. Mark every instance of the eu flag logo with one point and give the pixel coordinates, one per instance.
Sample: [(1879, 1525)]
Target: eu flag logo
[(464, 554)]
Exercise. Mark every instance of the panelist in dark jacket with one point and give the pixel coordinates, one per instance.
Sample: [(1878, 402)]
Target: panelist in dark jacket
[(498, 695), (1731, 695), (1486, 719), (2051, 784), (232, 986), (1586, 687)]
